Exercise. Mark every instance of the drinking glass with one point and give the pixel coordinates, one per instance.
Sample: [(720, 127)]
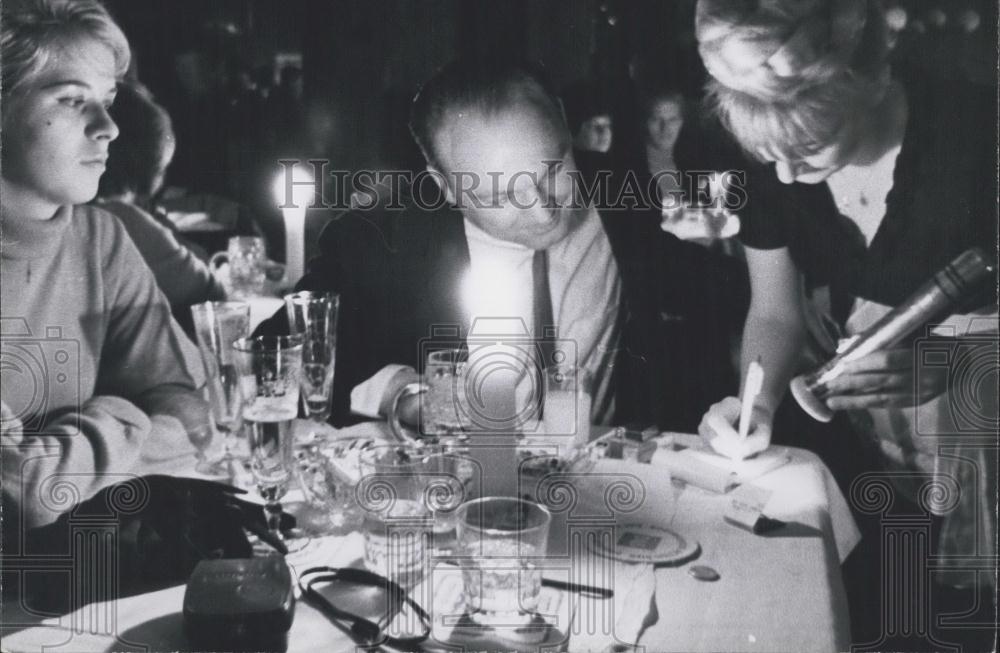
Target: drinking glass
[(441, 417), (501, 541), (247, 258), (217, 325), (397, 522), (566, 408), (449, 478), (270, 369), (313, 316), (441, 414)]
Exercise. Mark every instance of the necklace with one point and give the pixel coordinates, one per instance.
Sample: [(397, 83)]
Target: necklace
[(860, 191)]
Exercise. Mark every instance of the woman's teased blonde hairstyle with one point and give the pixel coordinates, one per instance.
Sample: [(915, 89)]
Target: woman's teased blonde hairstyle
[(787, 75), (32, 32)]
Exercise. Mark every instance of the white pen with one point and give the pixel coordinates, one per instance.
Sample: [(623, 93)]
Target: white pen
[(751, 389)]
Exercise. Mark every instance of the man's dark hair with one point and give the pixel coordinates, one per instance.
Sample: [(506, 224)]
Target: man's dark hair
[(485, 87)]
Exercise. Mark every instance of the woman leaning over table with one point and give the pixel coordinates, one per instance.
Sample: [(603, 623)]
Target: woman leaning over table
[(911, 164), (96, 376)]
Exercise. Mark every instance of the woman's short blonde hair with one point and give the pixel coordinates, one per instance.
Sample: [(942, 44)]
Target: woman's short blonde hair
[(787, 75), (34, 31)]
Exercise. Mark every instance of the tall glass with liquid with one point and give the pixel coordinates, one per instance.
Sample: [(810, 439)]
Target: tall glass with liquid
[(270, 369)]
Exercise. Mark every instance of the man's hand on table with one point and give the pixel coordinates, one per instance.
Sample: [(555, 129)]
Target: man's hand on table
[(409, 407), (718, 428)]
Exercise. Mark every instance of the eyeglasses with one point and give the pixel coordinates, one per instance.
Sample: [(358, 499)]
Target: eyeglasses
[(365, 632)]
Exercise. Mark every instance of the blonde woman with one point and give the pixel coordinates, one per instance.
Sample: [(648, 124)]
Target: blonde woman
[(890, 176), (96, 376)]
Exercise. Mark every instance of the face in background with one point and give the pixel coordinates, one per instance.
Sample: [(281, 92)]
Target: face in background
[(56, 131), (595, 134), (664, 122), (523, 159)]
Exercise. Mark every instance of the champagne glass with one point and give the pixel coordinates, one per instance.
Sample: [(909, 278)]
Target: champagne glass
[(217, 325), (270, 369), (313, 316)]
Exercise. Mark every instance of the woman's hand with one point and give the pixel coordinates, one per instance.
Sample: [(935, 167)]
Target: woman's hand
[(718, 428), (884, 379)]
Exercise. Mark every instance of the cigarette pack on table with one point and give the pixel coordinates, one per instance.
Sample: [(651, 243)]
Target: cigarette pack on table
[(632, 442)]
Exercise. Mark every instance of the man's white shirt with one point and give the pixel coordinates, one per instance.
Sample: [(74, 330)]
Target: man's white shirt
[(585, 288)]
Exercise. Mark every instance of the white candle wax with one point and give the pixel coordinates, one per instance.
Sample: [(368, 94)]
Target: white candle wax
[(295, 243)]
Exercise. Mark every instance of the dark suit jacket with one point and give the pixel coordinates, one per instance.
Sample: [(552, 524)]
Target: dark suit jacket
[(398, 273)]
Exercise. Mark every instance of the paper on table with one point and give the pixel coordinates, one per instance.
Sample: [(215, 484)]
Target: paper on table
[(632, 609), (710, 471)]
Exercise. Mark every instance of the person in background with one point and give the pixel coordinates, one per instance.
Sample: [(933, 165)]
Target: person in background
[(663, 118), (588, 114), (137, 164), (612, 277), (890, 176), (97, 378)]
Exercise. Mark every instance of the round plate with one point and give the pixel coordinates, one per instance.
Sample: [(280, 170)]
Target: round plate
[(648, 544)]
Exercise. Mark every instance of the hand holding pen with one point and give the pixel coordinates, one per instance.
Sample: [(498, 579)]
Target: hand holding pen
[(738, 428)]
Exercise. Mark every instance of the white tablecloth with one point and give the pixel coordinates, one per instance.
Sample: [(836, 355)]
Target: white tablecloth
[(776, 592)]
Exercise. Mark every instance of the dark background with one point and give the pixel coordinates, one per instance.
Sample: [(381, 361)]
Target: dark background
[(363, 60)]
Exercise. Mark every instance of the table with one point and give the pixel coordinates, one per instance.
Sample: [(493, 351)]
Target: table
[(779, 592)]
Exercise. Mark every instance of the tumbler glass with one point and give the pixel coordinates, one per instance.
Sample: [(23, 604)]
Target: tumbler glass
[(501, 542)]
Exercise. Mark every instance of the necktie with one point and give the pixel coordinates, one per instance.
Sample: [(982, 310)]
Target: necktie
[(544, 322)]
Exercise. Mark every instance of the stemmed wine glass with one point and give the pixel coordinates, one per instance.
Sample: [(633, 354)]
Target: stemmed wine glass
[(270, 369), (217, 325)]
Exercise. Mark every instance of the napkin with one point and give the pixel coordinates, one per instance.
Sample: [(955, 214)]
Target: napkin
[(700, 466), (631, 611)]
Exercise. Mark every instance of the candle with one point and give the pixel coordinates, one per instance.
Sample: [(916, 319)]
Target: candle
[(293, 210), (499, 344), (295, 243)]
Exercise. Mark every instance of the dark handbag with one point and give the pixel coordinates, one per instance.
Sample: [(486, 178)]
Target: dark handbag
[(137, 536)]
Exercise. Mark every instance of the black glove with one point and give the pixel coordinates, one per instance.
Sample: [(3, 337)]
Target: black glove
[(164, 526)]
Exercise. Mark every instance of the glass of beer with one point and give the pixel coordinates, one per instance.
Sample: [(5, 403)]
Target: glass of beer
[(444, 407), (501, 543), (442, 413), (270, 370), (247, 259)]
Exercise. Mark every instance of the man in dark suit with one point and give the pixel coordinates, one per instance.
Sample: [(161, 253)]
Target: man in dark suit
[(514, 225)]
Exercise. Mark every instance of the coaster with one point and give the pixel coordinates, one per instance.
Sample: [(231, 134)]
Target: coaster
[(648, 544)]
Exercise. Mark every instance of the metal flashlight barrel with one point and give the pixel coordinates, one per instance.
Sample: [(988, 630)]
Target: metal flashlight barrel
[(937, 298)]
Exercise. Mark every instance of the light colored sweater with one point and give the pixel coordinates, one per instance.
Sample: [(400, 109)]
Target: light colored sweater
[(182, 276), (96, 375)]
